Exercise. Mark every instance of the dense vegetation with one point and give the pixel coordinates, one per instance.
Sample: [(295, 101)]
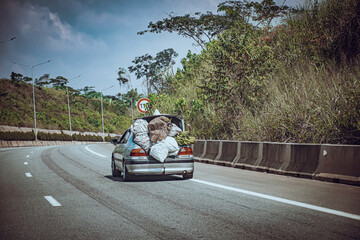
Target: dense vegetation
[(296, 82), (265, 73), (52, 110)]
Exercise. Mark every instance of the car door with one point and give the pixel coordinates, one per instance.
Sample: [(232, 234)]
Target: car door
[(120, 148)]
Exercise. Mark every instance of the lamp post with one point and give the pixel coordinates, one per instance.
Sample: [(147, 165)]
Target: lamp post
[(33, 87), (8, 40), (102, 112), (68, 100), (132, 110)]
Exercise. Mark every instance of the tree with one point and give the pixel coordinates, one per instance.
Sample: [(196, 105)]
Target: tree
[(59, 82), (87, 89), (16, 77), (204, 27), (121, 78), (153, 68), (27, 79), (267, 10), (43, 80)]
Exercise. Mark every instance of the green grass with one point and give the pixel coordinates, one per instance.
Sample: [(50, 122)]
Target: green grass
[(16, 109)]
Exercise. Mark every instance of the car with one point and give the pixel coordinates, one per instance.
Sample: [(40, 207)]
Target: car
[(130, 160)]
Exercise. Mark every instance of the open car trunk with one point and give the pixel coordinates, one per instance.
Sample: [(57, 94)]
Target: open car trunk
[(177, 120)]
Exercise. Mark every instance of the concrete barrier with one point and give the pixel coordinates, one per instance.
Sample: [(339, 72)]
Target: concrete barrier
[(339, 163), (250, 155), (276, 156), (199, 148), (229, 152), (212, 150), (304, 160), (336, 163)]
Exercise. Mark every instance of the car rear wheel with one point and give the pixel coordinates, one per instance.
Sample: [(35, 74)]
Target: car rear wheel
[(125, 174), (188, 176), (114, 171)]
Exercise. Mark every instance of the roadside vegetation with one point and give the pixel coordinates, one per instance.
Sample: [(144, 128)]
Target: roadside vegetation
[(298, 81), (265, 73), (16, 107)]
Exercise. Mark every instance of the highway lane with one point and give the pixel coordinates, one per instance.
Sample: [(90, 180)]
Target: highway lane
[(95, 205)]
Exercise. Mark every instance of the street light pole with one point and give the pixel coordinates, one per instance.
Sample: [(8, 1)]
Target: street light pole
[(8, 40), (68, 100), (33, 87), (102, 112), (132, 110), (32, 77)]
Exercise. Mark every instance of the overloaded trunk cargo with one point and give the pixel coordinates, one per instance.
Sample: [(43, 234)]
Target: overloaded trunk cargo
[(157, 135)]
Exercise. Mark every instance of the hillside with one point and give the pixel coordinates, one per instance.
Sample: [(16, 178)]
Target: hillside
[(298, 81), (294, 81), (16, 109)]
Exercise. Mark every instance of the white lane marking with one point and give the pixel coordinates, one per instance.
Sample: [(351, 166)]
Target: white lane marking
[(28, 174), (32, 152), (87, 148), (27, 156), (282, 200), (52, 201), (26, 163)]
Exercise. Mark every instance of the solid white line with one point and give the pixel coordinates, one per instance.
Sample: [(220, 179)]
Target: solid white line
[(87, 148), (52, 201), (28, 174), (282, 200), (26, 163)]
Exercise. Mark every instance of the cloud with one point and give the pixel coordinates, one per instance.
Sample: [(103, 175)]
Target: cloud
[(39, 26)]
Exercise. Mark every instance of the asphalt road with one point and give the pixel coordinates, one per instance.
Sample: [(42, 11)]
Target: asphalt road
[(67, 192)]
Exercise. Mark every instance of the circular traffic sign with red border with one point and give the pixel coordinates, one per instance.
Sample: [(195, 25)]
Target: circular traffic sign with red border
[(141, 105)]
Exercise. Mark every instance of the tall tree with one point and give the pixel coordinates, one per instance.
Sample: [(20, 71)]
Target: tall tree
[(59, 82), (122, 78), (16, 77), (43, 80), (204, 27), (152, 68), (200, 27)]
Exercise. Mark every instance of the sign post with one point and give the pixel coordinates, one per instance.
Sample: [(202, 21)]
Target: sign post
[(142, 105)]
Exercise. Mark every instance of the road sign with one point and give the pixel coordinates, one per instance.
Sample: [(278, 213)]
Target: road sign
[(142, 105)]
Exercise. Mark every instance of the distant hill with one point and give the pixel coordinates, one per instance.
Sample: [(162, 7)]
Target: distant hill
[(16, 109)]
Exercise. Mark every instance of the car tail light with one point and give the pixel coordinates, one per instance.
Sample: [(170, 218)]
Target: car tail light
[(139, 152), (185, 151)]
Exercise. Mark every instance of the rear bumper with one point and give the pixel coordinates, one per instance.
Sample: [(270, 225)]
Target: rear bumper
[(154, 167)]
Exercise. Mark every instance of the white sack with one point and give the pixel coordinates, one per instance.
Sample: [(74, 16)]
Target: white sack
[(140, 126), (156, 112), (174, 130), (159, 151), (171, 144)]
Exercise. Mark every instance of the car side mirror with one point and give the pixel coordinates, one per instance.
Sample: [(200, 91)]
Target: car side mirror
[(114, 141)]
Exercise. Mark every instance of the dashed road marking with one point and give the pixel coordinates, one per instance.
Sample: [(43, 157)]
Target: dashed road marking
[(26, 163), (27, 156), (282, 200), (52, 201), (87, 148), (28, 174)]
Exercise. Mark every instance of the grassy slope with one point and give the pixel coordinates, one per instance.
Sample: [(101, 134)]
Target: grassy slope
[(16, 109)]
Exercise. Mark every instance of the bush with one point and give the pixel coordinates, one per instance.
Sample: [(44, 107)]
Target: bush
[(87, 138), (17, 136)]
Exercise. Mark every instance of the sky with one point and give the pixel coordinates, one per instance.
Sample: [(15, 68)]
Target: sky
[(91, 38)]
